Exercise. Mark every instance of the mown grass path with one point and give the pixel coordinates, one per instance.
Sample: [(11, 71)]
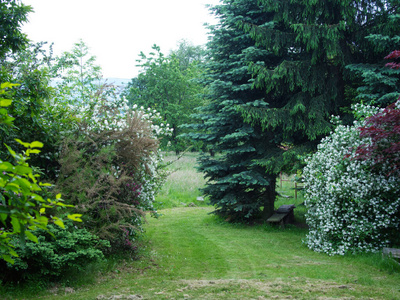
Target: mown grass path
[(194, 255)]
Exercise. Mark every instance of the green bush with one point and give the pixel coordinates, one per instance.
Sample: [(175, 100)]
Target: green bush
[(69, 249), (23, 203)]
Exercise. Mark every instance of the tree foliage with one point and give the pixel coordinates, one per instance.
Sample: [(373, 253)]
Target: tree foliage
[(37, 117), (379, 85), (78, 77), (13, 14), (239, 188), (23, 200), (167, 84), (293, 54)]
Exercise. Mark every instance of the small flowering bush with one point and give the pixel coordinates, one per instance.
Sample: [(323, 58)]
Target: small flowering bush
[(352, 206)]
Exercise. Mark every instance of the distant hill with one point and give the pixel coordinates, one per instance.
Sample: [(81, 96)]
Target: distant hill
[(117, 81)]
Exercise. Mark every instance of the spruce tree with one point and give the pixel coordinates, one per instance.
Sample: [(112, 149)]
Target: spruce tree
[(316, 40), (240, 189), (380, 85), (313, 42), (276, 73)]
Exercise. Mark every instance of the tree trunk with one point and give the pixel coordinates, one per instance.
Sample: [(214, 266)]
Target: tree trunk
[(212, 154), (270, 196)]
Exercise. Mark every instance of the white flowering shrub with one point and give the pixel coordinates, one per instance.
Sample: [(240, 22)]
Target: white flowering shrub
[(351, 206), (110, 169)]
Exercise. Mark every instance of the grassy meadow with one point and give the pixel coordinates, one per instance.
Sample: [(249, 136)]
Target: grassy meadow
[(189, 253), (183, 183)]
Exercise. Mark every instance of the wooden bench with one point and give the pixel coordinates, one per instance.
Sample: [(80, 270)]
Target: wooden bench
[(393, 252), (283, 215)]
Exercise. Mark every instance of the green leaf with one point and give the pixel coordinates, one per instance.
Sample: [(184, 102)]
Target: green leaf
[(12, 152), (34, 151), (6, 85), (13, 253), (6, 119), (42, 221), (5, 102), (26, 145), (12, 187), (59, 223), (6, 166), (31, 237), (8, 259), (16, 225), (37, 144), (3, 217), (22, 170), (75, 217), (37, 197), (32, 177)]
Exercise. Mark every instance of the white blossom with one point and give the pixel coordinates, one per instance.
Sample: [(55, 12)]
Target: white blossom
[(350, 207)]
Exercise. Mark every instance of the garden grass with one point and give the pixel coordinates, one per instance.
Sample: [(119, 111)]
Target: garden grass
[(191, 254)]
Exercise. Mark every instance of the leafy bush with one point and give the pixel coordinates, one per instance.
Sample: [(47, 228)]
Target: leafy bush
[(22, 196), (58, 251), (35, 119), (383, 133), (352, 206)]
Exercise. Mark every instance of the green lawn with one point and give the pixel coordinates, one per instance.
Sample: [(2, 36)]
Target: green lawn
[(194, 255), (190, 254)]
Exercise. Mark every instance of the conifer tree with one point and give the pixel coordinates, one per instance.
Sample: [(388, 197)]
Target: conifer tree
[(276, 74), (380, 85), (240, 189), (313, 42)]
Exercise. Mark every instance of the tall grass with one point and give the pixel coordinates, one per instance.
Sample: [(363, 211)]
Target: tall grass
[(183, 183)]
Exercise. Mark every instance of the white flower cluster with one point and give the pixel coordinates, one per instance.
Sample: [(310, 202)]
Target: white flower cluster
[(350, 207), (112, 115)]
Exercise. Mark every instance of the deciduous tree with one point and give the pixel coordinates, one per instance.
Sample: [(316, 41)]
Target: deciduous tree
[(13, 14), (167, 84)]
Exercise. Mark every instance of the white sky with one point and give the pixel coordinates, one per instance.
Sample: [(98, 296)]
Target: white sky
[(117, 30)]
